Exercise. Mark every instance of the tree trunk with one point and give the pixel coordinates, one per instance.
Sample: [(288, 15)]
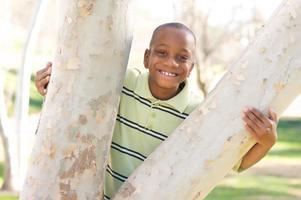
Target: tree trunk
[(4, 131), (7, 178), (206, 146), (73, 139), (24, 74)]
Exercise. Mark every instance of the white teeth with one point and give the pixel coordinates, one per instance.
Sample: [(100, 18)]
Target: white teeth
[(168, 73)]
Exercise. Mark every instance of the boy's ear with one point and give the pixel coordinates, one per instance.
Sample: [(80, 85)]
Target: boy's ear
[(191, 68), (146, 58)]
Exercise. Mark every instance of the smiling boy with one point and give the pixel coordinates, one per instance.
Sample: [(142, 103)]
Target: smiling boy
[(154, 103)]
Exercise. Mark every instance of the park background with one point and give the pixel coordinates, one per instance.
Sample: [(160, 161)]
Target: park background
[(223, 30)]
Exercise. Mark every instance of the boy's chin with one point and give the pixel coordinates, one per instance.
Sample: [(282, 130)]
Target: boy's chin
[(169, 86)]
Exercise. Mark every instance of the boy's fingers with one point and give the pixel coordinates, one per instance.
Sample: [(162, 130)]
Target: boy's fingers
[(261, 127), (46, 73), (42, 91), (259, 115), (43, 73), (48, 65), (39, 74), (252, 119), (250, 122), (42, 78), (265, 120), (43, 82)]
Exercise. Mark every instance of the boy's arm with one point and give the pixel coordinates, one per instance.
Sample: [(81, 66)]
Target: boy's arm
[(263, 130)]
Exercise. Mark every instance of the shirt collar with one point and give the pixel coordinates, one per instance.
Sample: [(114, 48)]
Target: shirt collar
[(178, 102)]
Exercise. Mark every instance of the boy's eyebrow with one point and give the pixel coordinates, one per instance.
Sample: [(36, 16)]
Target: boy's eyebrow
[(183, 49), (186, 50), (162, 45)]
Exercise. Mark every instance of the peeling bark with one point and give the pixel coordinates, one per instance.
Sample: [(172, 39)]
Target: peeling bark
[(204, 148), (73, 139)]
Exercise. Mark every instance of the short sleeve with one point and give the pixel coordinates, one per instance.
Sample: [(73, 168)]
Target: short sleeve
[(131, 77), (236, 167)]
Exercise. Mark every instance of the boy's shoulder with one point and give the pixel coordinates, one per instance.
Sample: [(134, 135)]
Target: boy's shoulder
[(131, 77), (195, 99)]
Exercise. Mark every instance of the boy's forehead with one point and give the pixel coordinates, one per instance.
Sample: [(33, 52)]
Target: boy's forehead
[(170, 33)]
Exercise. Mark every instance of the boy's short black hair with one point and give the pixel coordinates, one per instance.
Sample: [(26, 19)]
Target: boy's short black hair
[(172, 25)]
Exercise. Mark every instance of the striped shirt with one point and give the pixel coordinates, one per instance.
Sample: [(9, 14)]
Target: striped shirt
[(142, 123)]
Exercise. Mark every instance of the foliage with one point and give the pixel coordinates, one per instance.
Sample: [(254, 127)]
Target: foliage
[(10, 85), (5, 197)]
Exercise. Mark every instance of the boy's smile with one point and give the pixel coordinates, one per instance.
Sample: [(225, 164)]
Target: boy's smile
[(167, 73), (169, 60)]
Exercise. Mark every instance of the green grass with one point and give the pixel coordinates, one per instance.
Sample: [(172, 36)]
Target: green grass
[(248, 187), (256, 187), (288, 145)]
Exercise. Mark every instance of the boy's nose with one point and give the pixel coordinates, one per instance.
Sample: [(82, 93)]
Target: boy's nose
[(171, 62)]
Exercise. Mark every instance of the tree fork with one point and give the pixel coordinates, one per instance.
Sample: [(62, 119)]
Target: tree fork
[(204, 148), (77, 121)]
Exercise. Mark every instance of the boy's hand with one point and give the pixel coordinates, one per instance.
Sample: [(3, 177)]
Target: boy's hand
[(42, 79), (261, 127)]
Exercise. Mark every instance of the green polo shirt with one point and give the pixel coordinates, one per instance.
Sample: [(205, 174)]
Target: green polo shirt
[(142, 123)]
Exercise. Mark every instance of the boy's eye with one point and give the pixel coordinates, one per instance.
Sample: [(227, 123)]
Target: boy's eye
[(183, 58), (161, 52)]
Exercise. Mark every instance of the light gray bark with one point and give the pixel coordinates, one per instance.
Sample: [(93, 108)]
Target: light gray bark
[(212, 139), (68, 160)]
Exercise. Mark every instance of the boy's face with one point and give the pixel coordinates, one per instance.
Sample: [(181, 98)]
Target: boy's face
[(170, 60)]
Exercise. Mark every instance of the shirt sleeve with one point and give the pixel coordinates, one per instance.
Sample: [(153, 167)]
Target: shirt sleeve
[(131, 77), (248, 145), (236, 167)]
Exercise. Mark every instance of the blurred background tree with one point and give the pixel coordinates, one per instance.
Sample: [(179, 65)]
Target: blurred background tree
[(218, 44)]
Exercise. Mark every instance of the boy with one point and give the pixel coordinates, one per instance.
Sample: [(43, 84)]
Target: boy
[(153, 104)]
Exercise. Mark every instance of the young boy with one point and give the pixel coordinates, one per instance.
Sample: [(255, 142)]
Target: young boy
[(153, 104)]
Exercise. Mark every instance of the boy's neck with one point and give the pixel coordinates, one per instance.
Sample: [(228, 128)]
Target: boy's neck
[(165, 94)]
